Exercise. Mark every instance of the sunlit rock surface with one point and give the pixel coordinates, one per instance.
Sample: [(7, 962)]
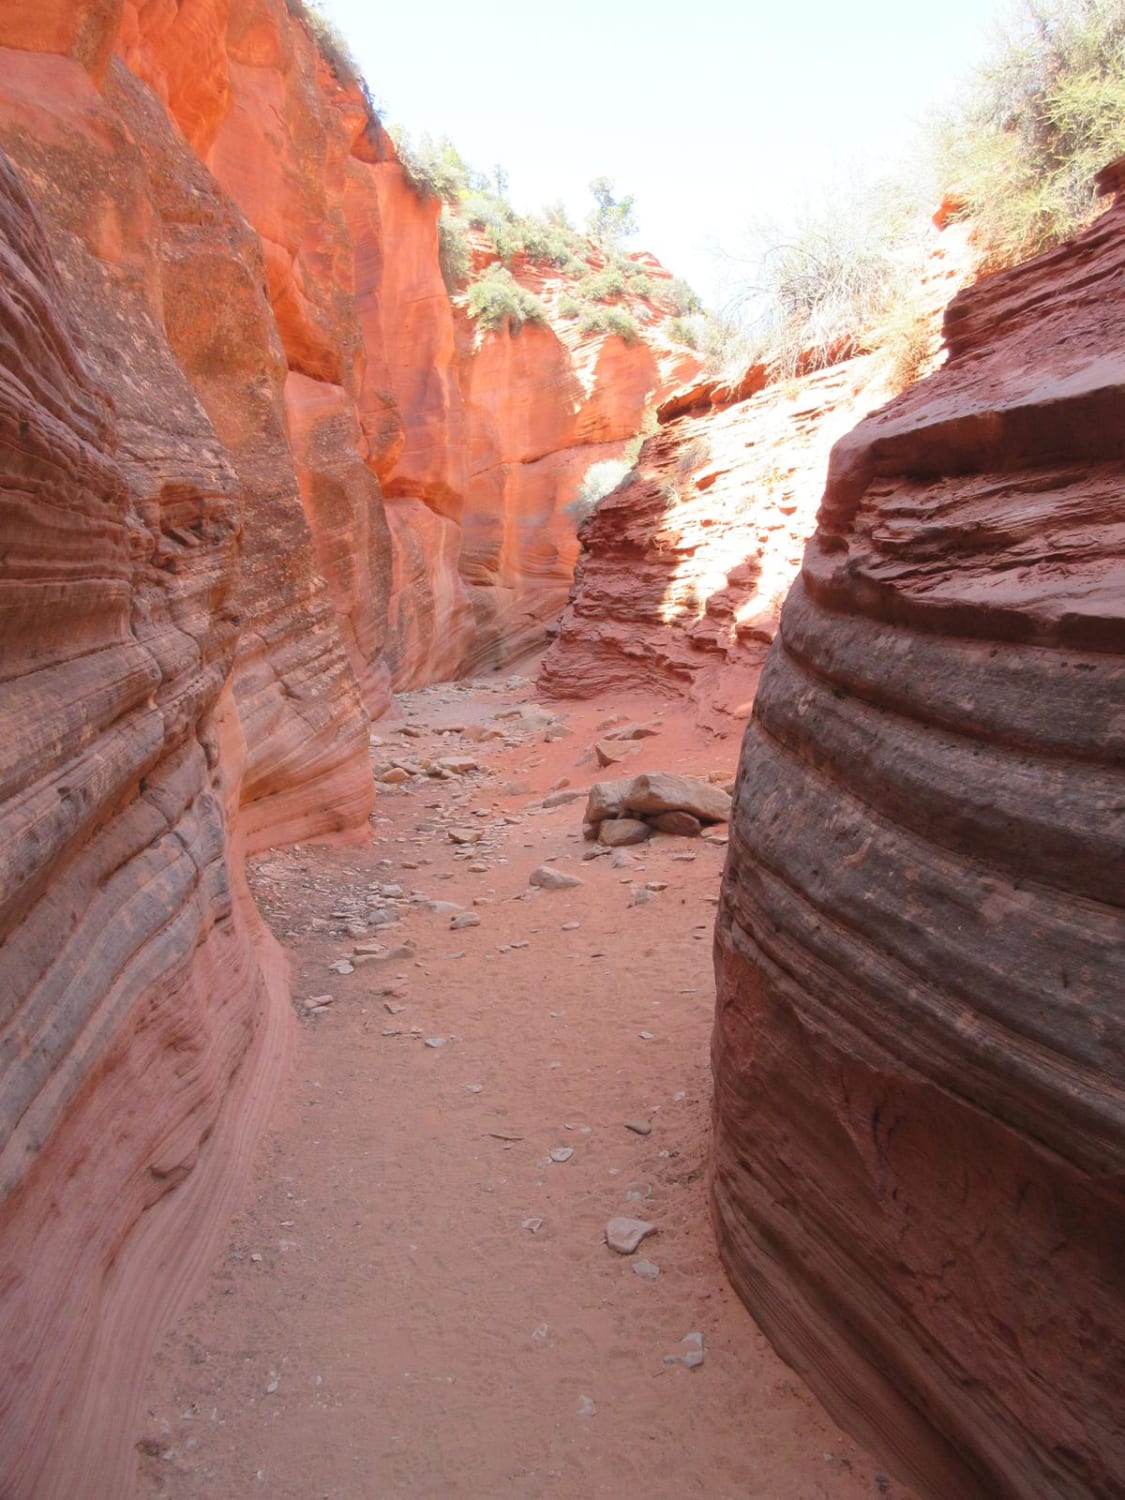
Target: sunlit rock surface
[(919, 1053)]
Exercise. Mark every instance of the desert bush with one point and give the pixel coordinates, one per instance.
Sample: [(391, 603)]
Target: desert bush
[(568, 306), (496, 299), (1035, 123), (609, 284), (434, 168), (690, 332), (820, 290), (610, 320), (685, 302), (599, 480), (455, 256)]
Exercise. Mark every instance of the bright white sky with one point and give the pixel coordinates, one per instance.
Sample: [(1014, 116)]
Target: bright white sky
[(713, 114)]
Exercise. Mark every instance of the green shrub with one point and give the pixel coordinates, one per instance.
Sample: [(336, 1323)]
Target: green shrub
[(455, 255), (568, 306), (684, 301), (496, 299), (610, 320), (609, 284), (599, 480), (691, 332), (1035, 124), (434, 169)]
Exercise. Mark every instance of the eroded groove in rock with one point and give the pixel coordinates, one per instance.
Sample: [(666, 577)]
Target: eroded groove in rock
[(919, 1053)]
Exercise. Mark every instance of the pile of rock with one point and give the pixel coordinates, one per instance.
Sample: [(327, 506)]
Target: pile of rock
[(632, 809)]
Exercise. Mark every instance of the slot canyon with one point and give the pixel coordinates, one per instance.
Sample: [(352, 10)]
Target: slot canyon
[(494, 1003)]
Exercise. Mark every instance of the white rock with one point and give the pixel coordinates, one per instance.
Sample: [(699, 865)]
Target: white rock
[(464, 919), (561, 1153), (624, 1235), (646, 1269)]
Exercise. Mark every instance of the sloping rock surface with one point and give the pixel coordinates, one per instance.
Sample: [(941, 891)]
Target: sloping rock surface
[(684, 567), (919, 1051)]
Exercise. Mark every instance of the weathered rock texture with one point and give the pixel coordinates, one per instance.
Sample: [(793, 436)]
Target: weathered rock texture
[(685, 566), (134, 1029), (919, 1053), (224, 339)]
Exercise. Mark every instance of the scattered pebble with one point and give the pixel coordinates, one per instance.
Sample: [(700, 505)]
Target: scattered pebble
[(464, 919), (638, 1127), (561, 1153), (586, 1407), (691, 1355), (436, 1041), (624, 1235), (342, 966), (533, 1226), (646, 1269), (647, 1036)]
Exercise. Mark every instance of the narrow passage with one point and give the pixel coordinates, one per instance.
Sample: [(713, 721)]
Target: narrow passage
[(418, 1299)]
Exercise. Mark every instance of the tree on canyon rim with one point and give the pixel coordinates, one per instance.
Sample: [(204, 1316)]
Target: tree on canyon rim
[(612, 218)]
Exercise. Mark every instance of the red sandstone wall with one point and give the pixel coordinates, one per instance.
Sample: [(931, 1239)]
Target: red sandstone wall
[(918, 1050), (224, 336)]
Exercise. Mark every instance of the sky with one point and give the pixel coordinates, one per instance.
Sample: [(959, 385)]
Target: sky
[(715, 116)]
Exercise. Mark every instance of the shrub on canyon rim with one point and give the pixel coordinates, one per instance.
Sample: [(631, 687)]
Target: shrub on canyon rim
[(455, 257), (1035, 124), (598, 481), (610, 320), (496, 299)]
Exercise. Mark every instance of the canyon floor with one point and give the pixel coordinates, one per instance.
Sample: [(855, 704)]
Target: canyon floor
[(417, 1299)]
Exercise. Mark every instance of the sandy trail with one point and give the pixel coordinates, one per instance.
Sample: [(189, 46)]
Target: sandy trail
[(389, 1317)]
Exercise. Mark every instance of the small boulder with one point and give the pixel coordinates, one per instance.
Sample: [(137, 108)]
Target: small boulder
[(684, 824), (656, 792), (548, 879), (617, 832), (607, 754), (465, 835)]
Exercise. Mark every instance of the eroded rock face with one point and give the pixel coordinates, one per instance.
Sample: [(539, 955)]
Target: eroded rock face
[(918, 1052), (136, 974), (224, 333)]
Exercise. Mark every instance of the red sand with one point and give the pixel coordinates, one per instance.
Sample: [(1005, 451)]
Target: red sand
[(382, 1323)]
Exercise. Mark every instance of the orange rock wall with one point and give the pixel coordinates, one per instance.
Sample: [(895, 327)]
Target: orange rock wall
[(256, 467)]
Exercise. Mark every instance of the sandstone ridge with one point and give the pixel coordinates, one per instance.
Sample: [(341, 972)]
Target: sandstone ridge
[(919, 1063)]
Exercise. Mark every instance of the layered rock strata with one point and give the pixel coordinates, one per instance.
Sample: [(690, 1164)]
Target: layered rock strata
[(918, 1051), (257, 465), (135, 1030)]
